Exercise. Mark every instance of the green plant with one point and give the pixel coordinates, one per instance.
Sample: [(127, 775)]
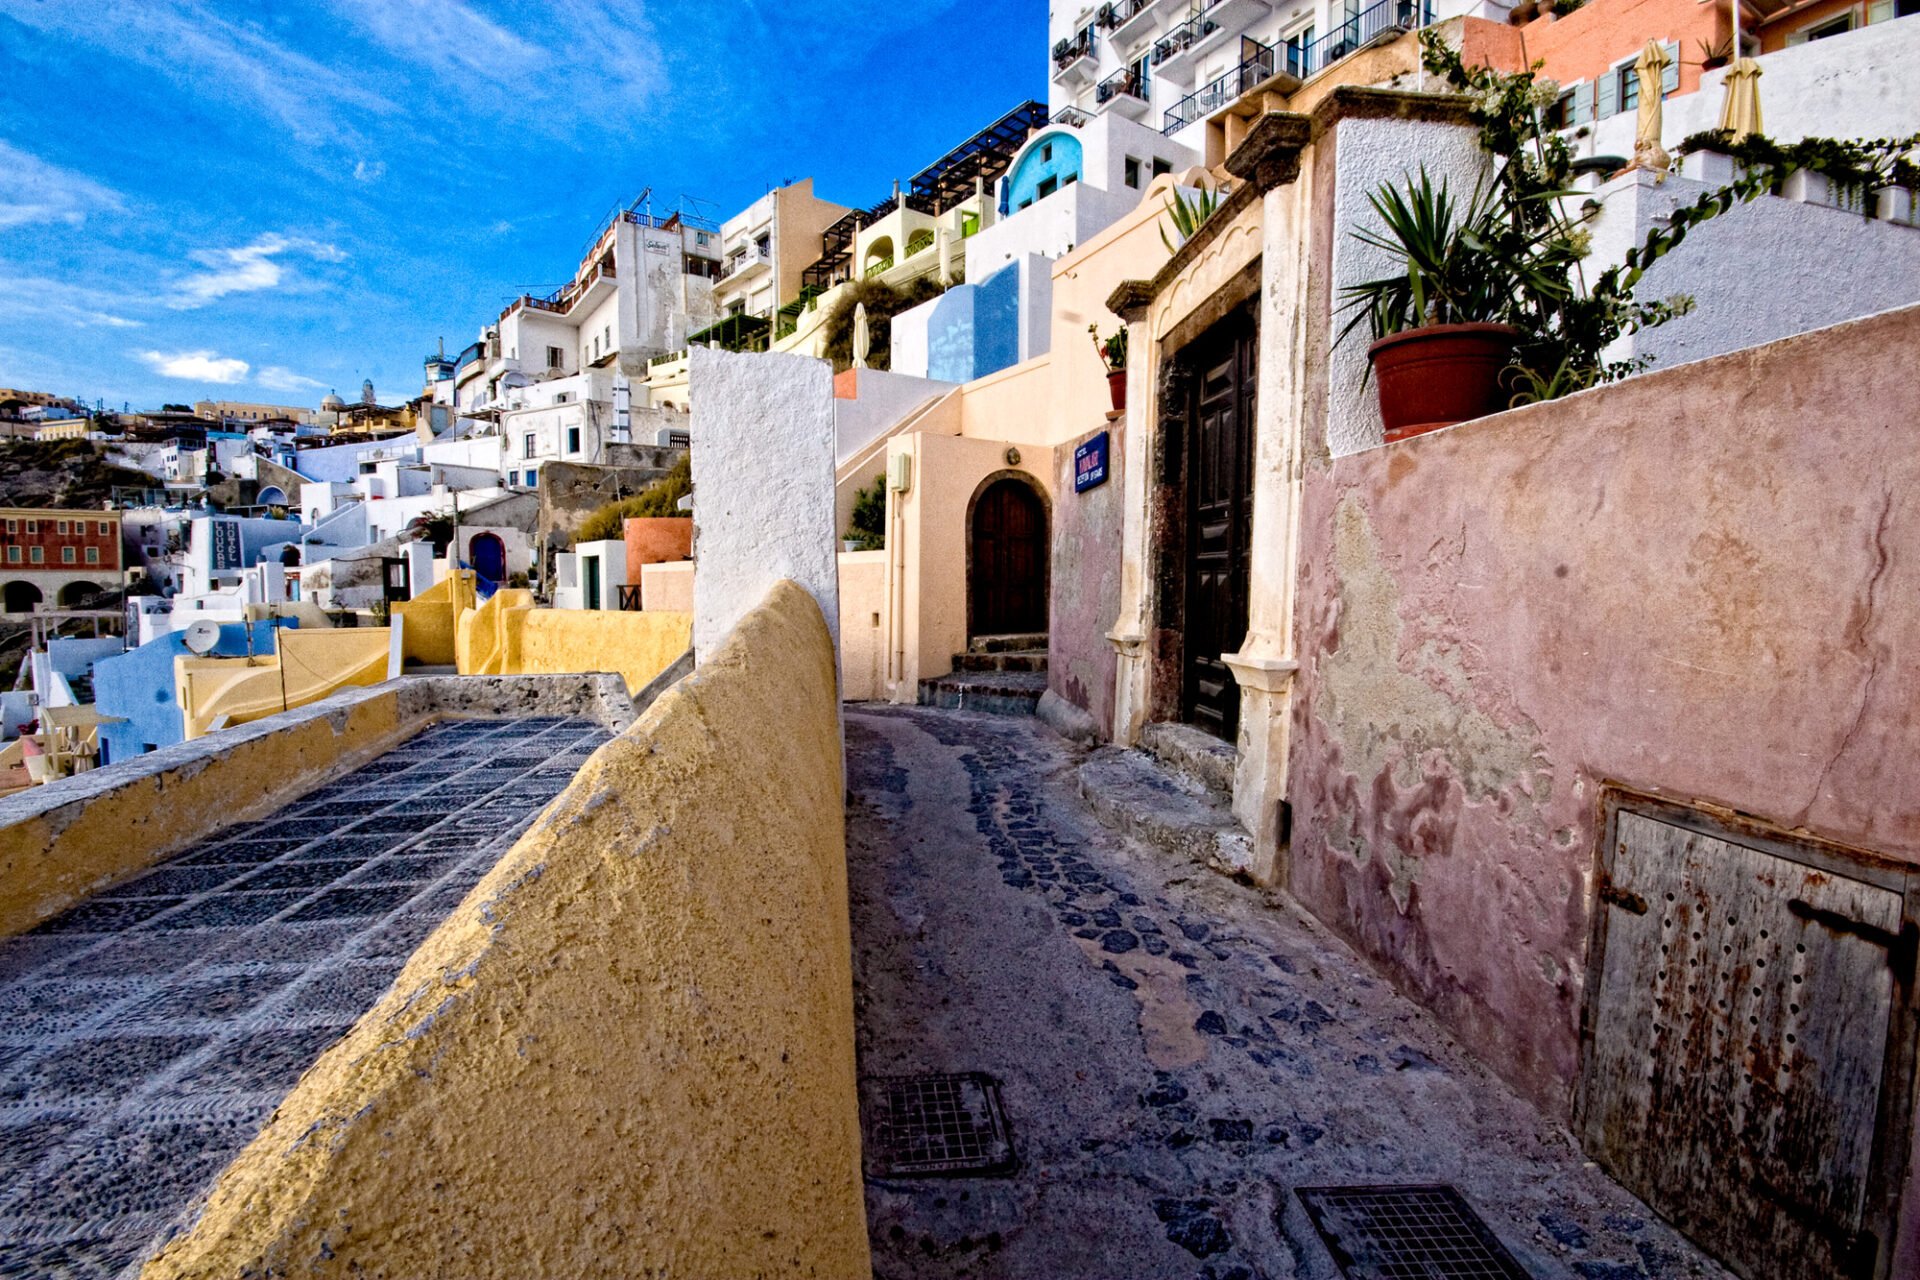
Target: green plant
[(1529, 386), (883, 302), (867, 522), (1112, 348), (661, 498), (1851, 166), (437, 528), (1715, 53), (1189, 215), (1446, 268)]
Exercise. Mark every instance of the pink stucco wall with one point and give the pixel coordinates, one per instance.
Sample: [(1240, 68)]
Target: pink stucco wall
[(1702, 582)]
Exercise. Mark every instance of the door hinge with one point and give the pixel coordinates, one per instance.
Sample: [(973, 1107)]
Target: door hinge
[(1625, 899)]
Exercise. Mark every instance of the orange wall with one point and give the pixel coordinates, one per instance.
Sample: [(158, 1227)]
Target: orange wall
[(1601, 34), (1775, 37)]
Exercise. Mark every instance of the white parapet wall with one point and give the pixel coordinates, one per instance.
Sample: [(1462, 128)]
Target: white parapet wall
[(1757, 273), (763, 483)]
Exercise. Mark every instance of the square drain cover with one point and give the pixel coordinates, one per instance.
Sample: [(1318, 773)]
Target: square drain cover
[(935, 1125), (1406, 1233)]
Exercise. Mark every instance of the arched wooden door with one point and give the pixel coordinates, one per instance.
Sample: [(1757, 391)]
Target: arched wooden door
[(488, 556), (1007, 564)]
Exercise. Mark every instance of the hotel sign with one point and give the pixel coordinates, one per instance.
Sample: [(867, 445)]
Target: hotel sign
[(1090, 464), (226, 545)]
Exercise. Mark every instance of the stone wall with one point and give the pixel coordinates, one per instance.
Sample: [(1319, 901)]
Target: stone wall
[(629, 1051), (1698, 582), (1085, 600)]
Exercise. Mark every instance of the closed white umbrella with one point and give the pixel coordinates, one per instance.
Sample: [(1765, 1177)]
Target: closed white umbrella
[(1740, 112), (946, 256), (862, 340)]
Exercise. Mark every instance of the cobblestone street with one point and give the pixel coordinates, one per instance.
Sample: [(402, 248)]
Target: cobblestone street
[(1176, 1054), (147, 1034)]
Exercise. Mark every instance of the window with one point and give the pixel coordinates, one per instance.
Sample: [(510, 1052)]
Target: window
[(533, 479), (60, 527), (1835, 27), (1629, 87), (699, 237), (607, 333), (1046, 151), (1560, 114), (13, 555), (573, 439), (1161, 166), (100, 527), (1046, 188), (66, 555), (36, 554), (1132, 172), (556, 358), (13, 526), (33, 526), (1297, 46), (93, 555), (526, 446)]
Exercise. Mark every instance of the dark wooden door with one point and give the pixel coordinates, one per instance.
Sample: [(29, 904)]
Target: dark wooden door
[(1008, 567), (1219, 486)]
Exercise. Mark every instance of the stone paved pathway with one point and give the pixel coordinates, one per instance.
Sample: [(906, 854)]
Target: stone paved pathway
[(1176, 1053), (147, 1034)]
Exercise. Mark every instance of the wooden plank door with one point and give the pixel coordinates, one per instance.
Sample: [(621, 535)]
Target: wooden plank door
[(1219, 493), (1736, 1046), (1007, 566)]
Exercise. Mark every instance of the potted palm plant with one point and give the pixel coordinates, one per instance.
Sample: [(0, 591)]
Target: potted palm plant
[(1113, 354)]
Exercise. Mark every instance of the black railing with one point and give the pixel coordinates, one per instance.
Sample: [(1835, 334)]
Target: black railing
[(1126, 82), (1387, 16), (1222, 92), (629, 597), (1182, 37), (1066, 52), (1120, 12)]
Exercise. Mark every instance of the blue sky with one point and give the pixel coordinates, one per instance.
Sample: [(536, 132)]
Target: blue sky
[(262, 201)]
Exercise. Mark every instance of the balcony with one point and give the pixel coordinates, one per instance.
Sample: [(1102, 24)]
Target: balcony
[(1125, 21), (1177, 53), (1223, 92), (1124, 91), (1073, 60), (745, 266), (1388, 19)]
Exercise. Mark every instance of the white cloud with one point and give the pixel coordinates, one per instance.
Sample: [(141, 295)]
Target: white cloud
[(276, 378), (62, 300), (40, 192), (247, 269), (369, 171), (197, 366)]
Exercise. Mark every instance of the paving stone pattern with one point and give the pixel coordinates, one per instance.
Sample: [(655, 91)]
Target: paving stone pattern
[(1176, 1052), (147, 1034)]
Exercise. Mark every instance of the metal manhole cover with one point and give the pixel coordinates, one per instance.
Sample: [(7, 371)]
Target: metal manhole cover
[(935, 1125), (1406, 1233)]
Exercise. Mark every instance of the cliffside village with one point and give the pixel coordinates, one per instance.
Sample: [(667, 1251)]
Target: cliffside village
[(1382, 537)]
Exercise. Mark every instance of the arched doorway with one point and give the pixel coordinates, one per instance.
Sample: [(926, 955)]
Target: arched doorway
[(1007, 549), (20, 597), (488, 556), (77, 593), (272, 496)]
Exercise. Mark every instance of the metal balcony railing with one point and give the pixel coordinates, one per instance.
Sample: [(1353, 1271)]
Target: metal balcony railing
[(1181, 38), (751, 258), (1210, 98), (1126, 82), (1120, 12), (1386, 16), (1067, 52)]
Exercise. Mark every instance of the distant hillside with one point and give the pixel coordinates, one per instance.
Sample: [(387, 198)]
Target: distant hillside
[(60, 473)]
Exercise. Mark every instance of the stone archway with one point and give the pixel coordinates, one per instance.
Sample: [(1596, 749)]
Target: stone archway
[(1008, 550)]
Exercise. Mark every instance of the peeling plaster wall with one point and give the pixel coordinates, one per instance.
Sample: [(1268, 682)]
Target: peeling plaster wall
[(1700, 581), (629, 1051), (1085, 598)]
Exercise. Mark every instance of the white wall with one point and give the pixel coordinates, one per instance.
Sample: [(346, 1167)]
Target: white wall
[(763, 482), (885, 398), (1758, 272)]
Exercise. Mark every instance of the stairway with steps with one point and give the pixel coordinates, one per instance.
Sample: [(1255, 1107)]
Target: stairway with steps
[(1002, 675), (1175, 791)]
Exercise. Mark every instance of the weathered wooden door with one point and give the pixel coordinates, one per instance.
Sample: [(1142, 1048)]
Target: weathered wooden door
[(1736, 1044), (1007, 566), (1219, 487)]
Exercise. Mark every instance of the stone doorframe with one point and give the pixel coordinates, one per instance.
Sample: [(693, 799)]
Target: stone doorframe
[(1252, 250)]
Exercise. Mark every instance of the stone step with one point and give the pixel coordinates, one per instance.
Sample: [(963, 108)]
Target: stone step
[(1010, 660), (1194, 754), (1132, 792), (1008, 644), (1006, 693)]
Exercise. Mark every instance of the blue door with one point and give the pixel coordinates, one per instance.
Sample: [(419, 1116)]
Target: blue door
[(488, 556)]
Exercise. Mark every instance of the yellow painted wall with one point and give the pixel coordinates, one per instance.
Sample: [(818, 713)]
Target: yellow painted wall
[(630, 1050), (308, 666), (863, 634), (58, 858), (432, 619), (510, 637)]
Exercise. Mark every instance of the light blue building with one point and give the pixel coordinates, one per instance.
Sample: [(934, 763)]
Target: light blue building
[(138, 687)]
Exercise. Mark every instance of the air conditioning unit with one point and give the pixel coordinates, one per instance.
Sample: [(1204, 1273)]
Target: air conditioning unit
[(674, 437)]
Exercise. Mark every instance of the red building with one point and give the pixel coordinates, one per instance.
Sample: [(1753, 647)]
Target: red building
[(51, 556)]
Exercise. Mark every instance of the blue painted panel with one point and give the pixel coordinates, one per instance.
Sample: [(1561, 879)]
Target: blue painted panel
[(996, 322), (139, 686), (1051, 157)]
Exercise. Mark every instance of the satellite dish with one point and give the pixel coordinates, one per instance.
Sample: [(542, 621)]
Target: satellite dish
[(201, 636)]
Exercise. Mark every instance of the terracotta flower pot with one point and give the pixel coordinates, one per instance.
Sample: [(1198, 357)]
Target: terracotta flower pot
[(1440, 374), (1117, 389)]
